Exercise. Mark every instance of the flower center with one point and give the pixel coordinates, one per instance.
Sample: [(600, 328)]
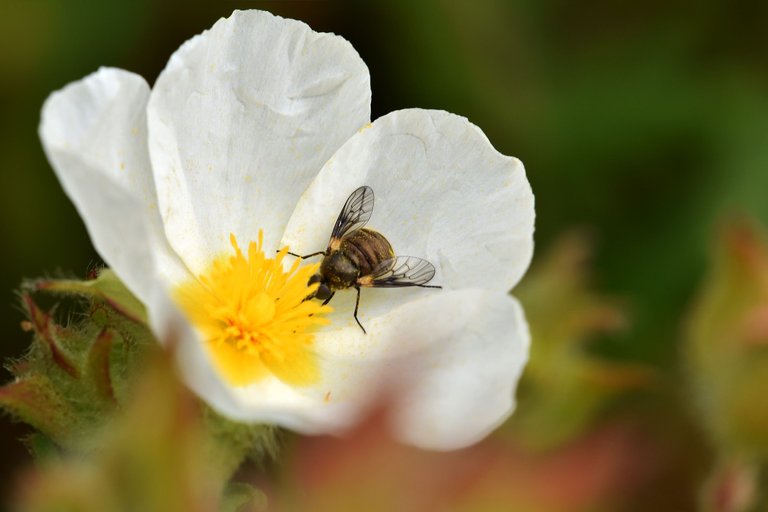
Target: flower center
[(254, 317)]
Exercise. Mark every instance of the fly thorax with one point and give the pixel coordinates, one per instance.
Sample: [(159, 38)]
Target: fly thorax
[(339, 270)]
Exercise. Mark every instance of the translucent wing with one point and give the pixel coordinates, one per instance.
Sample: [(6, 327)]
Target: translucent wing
[(400, 272), (355, 214)]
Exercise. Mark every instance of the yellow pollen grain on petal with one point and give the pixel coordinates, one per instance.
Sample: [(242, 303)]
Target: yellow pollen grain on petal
[(253, 316)]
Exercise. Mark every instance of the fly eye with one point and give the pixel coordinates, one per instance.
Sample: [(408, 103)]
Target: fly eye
[(323, 292), (316, 278)]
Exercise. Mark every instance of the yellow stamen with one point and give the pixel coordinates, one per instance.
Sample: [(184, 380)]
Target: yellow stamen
[(253, 316)]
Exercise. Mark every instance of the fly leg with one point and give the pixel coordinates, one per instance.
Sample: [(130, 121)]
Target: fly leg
[(318, 253), (357, 304)]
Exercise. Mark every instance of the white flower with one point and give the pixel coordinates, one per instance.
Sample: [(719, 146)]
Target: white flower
[(260, 125)]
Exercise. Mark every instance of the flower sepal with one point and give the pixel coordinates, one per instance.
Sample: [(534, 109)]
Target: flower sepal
[(105, 287), (75, 374)]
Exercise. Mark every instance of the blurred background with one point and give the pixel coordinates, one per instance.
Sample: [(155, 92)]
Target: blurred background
[(644, 130)]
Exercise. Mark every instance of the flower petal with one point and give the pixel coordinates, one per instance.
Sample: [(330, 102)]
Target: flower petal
[(451, 360), (443, 193), (94, 134), (467, 389), (241, 120)]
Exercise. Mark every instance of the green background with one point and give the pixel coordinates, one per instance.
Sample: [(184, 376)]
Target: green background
[(645, 123)]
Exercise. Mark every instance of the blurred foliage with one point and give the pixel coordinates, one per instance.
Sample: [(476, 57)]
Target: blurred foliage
[(368, 471), (564, 385), (156, 457), (726, 347), (726, 355), (644, 122)]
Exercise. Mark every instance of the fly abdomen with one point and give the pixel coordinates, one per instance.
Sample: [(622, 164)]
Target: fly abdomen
[(367, 248)]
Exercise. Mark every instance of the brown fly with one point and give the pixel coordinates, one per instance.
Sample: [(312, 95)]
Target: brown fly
[(359, 257)]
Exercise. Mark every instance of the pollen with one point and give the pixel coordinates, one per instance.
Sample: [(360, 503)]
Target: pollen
[(254, 317)]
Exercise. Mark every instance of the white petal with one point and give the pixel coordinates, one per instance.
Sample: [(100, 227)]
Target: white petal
[(453, 360), (94, 134), (241, 120), (466, 385), (443, 193)]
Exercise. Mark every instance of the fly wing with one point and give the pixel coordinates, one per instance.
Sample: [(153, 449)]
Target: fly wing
[(355, 214), (400, 272)]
